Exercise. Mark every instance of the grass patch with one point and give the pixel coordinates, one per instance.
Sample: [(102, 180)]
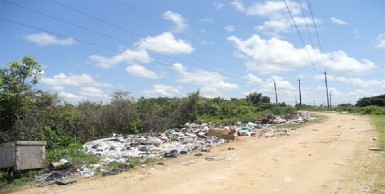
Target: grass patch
[(74, 153), (379, 123), (18, 180), (379, 171)]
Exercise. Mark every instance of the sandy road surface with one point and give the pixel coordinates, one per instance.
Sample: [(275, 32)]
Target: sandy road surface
[(322, 157)]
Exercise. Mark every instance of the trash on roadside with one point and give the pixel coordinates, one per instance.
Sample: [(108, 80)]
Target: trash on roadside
[(112, 171), (60, 165), (86, 172), (185, 139), (376, 149)]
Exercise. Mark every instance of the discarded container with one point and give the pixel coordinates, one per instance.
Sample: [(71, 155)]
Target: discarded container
[(59, 165), (217, 132), (23, 155)]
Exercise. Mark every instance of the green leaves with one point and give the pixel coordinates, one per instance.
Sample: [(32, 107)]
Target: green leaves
[(16, 82)]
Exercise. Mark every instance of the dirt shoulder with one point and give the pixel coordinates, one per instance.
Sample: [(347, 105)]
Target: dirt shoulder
[(321, 158)]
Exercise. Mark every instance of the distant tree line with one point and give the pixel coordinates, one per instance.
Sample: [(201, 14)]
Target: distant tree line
[(374, 100)]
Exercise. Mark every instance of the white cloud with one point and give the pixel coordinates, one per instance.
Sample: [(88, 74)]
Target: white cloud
[(218, 6), (91, 92), (279, 19), (253, 80), (285, 91), (210, 81), (338, 21), (128, 57), (269, 56), (339, 61), (180, 22), (380, 44), (273, 9), (162, 90), (165, 43), (60, 80), (230, 28), (362, 83), (275, 55), (238, 5), (207, 20), (70, 96), (206, 43), (141, 71), (44, 39)]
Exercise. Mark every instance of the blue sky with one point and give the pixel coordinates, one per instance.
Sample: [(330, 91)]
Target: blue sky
[(90, 49)]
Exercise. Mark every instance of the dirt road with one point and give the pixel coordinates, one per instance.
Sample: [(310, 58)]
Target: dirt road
[(321, 158)]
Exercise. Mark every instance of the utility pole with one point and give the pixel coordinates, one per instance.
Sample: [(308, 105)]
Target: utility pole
[(276, 98), (295, 97), (299, 90), (327, 90), (330, 98)]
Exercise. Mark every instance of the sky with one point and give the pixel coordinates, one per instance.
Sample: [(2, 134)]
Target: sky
[(90, 49)]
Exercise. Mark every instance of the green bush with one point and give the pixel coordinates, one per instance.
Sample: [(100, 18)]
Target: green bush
[(376, 110), (281, 110)]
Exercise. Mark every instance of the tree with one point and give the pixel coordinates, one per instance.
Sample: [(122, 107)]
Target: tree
[(16, 81), (254, 98)]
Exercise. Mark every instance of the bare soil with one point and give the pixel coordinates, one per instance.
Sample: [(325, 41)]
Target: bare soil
[(327, 157)]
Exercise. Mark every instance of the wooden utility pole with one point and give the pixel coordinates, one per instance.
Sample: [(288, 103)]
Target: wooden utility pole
[(299, 90), (330, 98), (275, 90), (327, 90)]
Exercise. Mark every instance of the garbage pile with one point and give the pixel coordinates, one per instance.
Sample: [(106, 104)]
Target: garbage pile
[(176, 141), (171, 143)]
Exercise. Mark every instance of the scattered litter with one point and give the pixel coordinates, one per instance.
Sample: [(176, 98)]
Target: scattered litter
[(339, 163), (275, 190), (231, 148), (276, 159), (230, 158), (160, 163), (367, 189), (198, 154), (376, 149), (59, 165), (209, 159), (288, 180), (335, 187), (53, 178), (86, 172), (65, 182), (112, 171)]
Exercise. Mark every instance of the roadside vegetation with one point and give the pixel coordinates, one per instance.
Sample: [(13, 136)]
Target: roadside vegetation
[(36, 115)]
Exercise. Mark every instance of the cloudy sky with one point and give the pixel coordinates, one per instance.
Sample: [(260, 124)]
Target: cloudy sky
[(90, 49)]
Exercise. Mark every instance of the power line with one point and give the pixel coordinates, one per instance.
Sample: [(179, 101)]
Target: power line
[(67, 22), (310, 37), (79, 40), (316, 31), (300, 36)]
